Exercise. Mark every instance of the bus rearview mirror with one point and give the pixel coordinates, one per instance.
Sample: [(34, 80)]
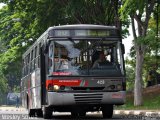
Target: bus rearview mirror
[(123, 48), (46, 48)]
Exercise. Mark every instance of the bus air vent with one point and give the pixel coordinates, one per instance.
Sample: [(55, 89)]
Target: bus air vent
[(87, 88), (94, 98)]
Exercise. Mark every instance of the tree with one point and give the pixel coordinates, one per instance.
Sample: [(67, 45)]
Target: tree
[(150, 58), (140, 12), (3, 84), (11, 43)]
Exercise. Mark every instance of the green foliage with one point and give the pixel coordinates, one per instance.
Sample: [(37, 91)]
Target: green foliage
[(97, 12), (130, 7), (148, 40), (10, 65), (11, 38), (3, 84), (151, 102), (16, 89), (130, 75)]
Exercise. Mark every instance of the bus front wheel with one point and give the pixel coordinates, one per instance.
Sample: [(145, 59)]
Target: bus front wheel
[(31, 112), (82, 113), (74, 114), (107, 111), (39, 113), (47, 113)]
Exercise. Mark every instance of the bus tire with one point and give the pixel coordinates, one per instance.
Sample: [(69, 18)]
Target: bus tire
[(107, 111), (31, 112), (74, 114), (47, 113), (78, 114), (39, 113), (82, 114)]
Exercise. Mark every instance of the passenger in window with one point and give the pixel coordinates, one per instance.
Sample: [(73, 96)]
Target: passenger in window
[(64, 64), (100, 60)]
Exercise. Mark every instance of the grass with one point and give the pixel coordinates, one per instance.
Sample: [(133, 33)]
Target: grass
[(149, 103)]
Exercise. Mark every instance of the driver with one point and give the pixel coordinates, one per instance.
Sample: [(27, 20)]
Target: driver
[(100, 60)]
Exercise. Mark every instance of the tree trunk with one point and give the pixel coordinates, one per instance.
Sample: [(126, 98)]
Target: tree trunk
[(138, 78)]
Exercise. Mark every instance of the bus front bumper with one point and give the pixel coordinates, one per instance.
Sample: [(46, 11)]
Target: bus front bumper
[(59, 98)]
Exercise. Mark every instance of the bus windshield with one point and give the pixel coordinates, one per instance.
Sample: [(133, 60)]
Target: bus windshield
[(85, 57)]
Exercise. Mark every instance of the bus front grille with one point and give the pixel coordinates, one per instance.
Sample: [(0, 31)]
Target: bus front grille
[(87, 88), (94, 98)]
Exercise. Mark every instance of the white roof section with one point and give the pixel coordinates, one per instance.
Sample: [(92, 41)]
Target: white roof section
[(82, 26)]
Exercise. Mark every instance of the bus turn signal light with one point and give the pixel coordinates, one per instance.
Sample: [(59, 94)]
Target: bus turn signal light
[(50, 87), (119, 87)]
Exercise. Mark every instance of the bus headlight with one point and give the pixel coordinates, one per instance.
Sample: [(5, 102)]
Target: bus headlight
[(56, 87)]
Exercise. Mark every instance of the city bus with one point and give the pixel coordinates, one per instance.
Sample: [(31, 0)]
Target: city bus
[(74, 68)]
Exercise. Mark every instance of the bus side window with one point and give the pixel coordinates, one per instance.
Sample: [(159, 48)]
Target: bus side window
[(39, 50), (35, 58), (50, 59), (23, 69), (25, 66), (31, 62)]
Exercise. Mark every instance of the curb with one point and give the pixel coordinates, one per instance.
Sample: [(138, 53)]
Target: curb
[(12, 109), (138, 113)]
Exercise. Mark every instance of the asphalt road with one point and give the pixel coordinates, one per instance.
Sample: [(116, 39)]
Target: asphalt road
[(22, 115)]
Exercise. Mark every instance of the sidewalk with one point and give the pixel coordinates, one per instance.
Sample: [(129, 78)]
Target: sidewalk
[(150, 113), (11, 108)]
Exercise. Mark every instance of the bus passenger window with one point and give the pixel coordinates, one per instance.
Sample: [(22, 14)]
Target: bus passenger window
[(23, 70), (25, 66), (35, 58), (32, 64), (39, 52)]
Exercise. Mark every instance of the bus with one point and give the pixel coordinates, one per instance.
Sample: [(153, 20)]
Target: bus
[(74, 68)]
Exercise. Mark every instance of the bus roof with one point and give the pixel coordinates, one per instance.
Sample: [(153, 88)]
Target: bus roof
[(82, 26)]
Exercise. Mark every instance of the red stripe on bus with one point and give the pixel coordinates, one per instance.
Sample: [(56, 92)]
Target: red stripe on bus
[(86, 83), (63, 82), (62, 73)]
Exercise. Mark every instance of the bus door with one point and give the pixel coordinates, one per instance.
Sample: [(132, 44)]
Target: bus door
[(43, 76)]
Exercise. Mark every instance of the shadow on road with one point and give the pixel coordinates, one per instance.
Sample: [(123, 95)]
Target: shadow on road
[(89, 117)]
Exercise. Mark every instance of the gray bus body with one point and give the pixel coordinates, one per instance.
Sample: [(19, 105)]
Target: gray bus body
[(62, 71)]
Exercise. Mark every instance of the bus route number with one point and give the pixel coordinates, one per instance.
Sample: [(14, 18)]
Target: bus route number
[(101, 82)]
